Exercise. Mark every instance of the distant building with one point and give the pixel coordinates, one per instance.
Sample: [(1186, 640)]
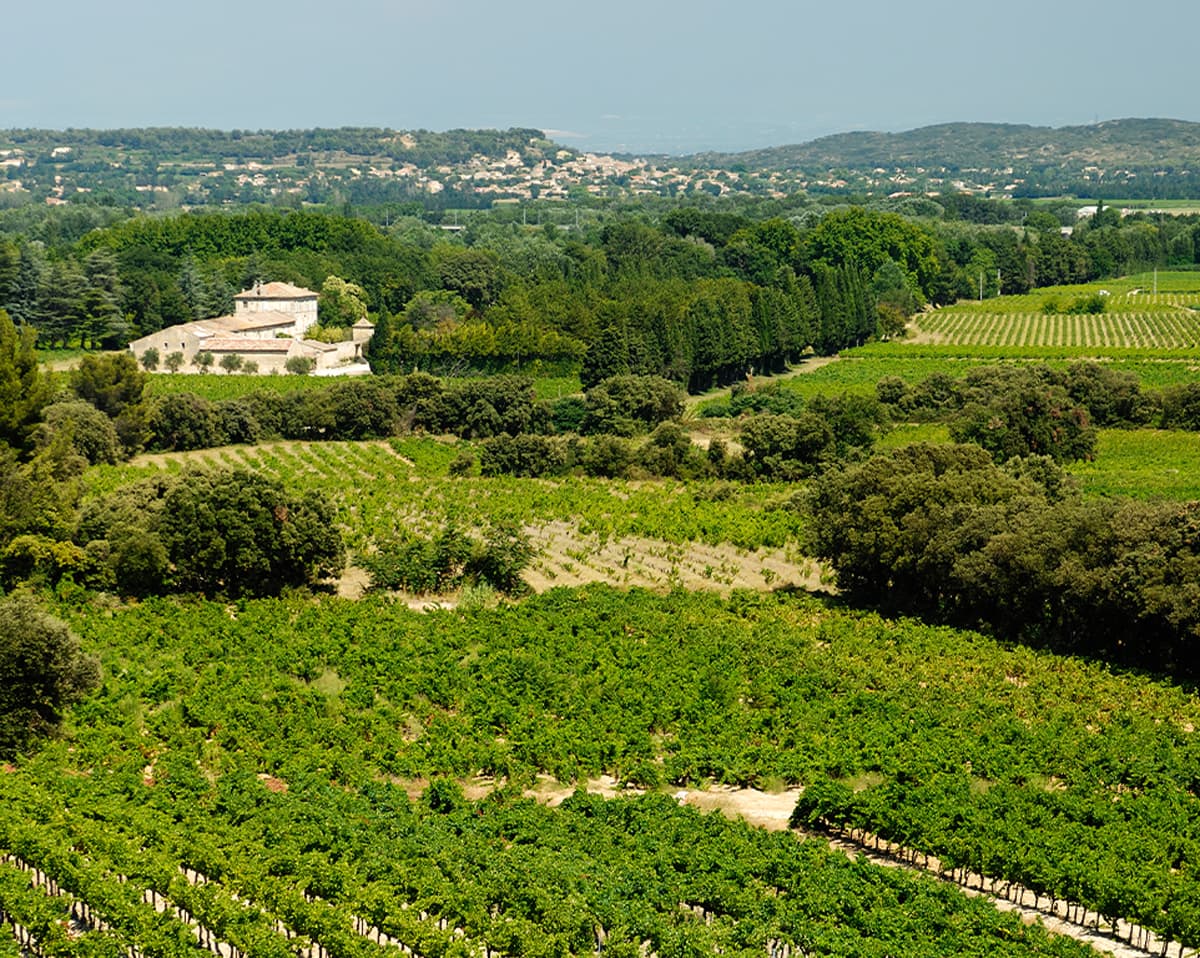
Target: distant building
[(279, 298), (266, 328)]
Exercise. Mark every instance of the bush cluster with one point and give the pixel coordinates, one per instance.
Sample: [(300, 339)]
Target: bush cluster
[(229, 532), (451, 559), (947, 533)]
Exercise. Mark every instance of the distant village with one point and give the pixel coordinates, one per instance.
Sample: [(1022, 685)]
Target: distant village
[(535, 174)]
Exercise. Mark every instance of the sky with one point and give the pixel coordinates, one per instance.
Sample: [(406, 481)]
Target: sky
[(655, 76)]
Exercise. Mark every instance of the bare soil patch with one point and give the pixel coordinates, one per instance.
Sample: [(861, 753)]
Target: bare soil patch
[(568, 557)]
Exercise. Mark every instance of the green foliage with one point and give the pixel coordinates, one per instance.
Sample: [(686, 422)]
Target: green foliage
[(786, 447), (183, 421), (39, 497), (625, 405), (341, 303), (451, 560), (239, 533), (23, 388), (42, 671), (1031, 421), (871, 240), (226, 532), (943, 532), (522, 455), (90, 433), (299, 365), (942, 739)]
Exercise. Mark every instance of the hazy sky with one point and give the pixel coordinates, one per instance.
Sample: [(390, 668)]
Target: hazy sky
[(654, 75)]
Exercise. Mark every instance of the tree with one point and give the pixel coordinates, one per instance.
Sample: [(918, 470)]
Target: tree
[(90, 433), (61, 303), (182, 421), (240, 533), (23, 388), (150, 360), (203, 361), (786, 447), (103, 323), (173, 361), (112, 383), (629, 404), (1029, 420), (474, 274), (231, 362), (300, 365), (42, 671), (23, 298), (341, 303)]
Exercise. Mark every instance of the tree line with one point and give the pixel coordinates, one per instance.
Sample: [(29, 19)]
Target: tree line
[(698, 295)]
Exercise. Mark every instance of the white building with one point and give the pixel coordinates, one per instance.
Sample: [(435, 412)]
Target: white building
[(266, 328), (294, 301)]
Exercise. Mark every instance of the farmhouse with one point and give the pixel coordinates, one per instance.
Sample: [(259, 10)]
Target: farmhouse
[(267, 329)]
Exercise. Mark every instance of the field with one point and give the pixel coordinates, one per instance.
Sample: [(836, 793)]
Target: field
[(304, 766), (1136, 330), (1143, 464), (327, 775), (1140, 312), (657, 534)]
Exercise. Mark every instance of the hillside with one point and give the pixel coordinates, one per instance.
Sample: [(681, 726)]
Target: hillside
[(167, 168), (960, 146), (1131, 157)]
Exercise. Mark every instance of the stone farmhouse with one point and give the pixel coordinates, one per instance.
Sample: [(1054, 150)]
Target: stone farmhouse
[(267, 328)]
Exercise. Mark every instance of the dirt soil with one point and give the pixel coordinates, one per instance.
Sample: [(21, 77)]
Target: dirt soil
[(567, 557)]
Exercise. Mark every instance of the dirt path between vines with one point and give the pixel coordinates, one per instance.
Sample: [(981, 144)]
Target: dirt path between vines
[(771, 810), (808, 365)]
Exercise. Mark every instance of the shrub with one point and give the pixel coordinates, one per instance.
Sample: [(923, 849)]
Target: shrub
[(42, 671), (90, 433), (625, 405), (298, 365), (525, 455)]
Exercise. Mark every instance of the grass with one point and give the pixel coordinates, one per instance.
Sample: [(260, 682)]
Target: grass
[(1143, 464)]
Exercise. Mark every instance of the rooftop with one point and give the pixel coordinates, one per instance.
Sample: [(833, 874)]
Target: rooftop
[(276, 291)]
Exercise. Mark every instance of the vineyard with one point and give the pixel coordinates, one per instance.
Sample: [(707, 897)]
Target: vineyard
[(288, 778), (382, 488), (1143, 464), (327, 777), (1176, 329)]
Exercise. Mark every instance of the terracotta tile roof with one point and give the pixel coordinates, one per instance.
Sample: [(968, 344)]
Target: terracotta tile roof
[(276, 291), (263, 320)]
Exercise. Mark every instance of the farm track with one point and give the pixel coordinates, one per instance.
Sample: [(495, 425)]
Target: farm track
[(801, 368), (772, 811)]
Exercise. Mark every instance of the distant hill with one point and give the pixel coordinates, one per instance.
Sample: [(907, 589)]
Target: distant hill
[(169, 168), (972, 145), (1066, 159)]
